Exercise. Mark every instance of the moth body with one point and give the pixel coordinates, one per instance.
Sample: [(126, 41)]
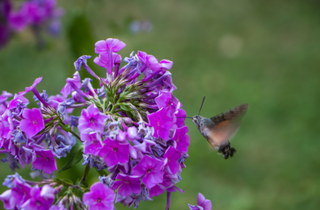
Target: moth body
[(218, 129)]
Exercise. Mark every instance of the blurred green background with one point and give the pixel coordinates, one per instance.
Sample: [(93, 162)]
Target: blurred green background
[(265, 53)]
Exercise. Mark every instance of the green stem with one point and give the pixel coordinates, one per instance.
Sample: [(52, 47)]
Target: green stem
[(114, 108), (86, 171), (76, 135)]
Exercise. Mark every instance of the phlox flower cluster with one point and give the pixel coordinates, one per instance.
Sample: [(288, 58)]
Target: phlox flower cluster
[(131, 130), (37, 14)]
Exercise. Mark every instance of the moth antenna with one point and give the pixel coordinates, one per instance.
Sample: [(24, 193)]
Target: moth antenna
[(201, 104), (184, 117)]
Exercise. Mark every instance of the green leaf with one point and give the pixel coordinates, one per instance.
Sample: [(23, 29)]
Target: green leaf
[(125, 107), (101, 172), (74, 157)]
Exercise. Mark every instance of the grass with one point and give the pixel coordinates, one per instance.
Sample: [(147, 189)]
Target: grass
[(275, 70)]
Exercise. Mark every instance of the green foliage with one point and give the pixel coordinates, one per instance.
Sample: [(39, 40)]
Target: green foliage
[(74, 157)]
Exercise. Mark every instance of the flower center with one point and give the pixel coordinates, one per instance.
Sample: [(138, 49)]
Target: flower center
[(35, 122), (111, 127), (149, 170), (158, 124), (38, 203), (98, 200), (92, 119), (115, 149)]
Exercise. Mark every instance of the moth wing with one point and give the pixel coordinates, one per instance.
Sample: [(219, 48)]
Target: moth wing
[(226, 125)]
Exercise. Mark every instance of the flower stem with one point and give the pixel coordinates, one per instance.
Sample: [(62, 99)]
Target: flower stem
[(86, 171), (76, 135)]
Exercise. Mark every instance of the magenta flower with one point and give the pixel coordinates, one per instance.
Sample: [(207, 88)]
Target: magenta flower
[(103, 59), (168, 101), (6, 126), (4, 96), (40, 198), (172, 156), (45, 161), (202, 204), (100, 197), (114, 152), (9, 201), (92, 142), (151, 170), (149, 60), (92, 118), (110, 44), (17, 99), (21, 191), (35, 83), (68, 88), (180, 117), (17, 21), (33, 122), (181, 139), (161, 123), (128, 184)]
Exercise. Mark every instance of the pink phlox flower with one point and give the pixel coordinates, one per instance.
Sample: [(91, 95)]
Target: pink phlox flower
[(6, 126), (168, 101), (68, 88), (45, 161), (114, 152), (18, 98), (91, 141), (151, 169), (100, 197), (54, 101), (103, 59), (35, 83), (92, 118), (202, 204), (181, 139), (145, 146), (172, 156), (21, 191), (9, 201), (32, 122), (180, 116), (4, 96), (150, 62), (34, 13), (127, 184), (17, 20), (110, 44), (41, 198), (161, 123), (166, 64)]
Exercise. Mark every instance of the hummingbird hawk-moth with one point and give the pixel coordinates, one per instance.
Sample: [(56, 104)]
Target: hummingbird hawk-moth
[(218, 129)]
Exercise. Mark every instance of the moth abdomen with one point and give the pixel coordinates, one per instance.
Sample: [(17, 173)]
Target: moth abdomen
[(227, 151)]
